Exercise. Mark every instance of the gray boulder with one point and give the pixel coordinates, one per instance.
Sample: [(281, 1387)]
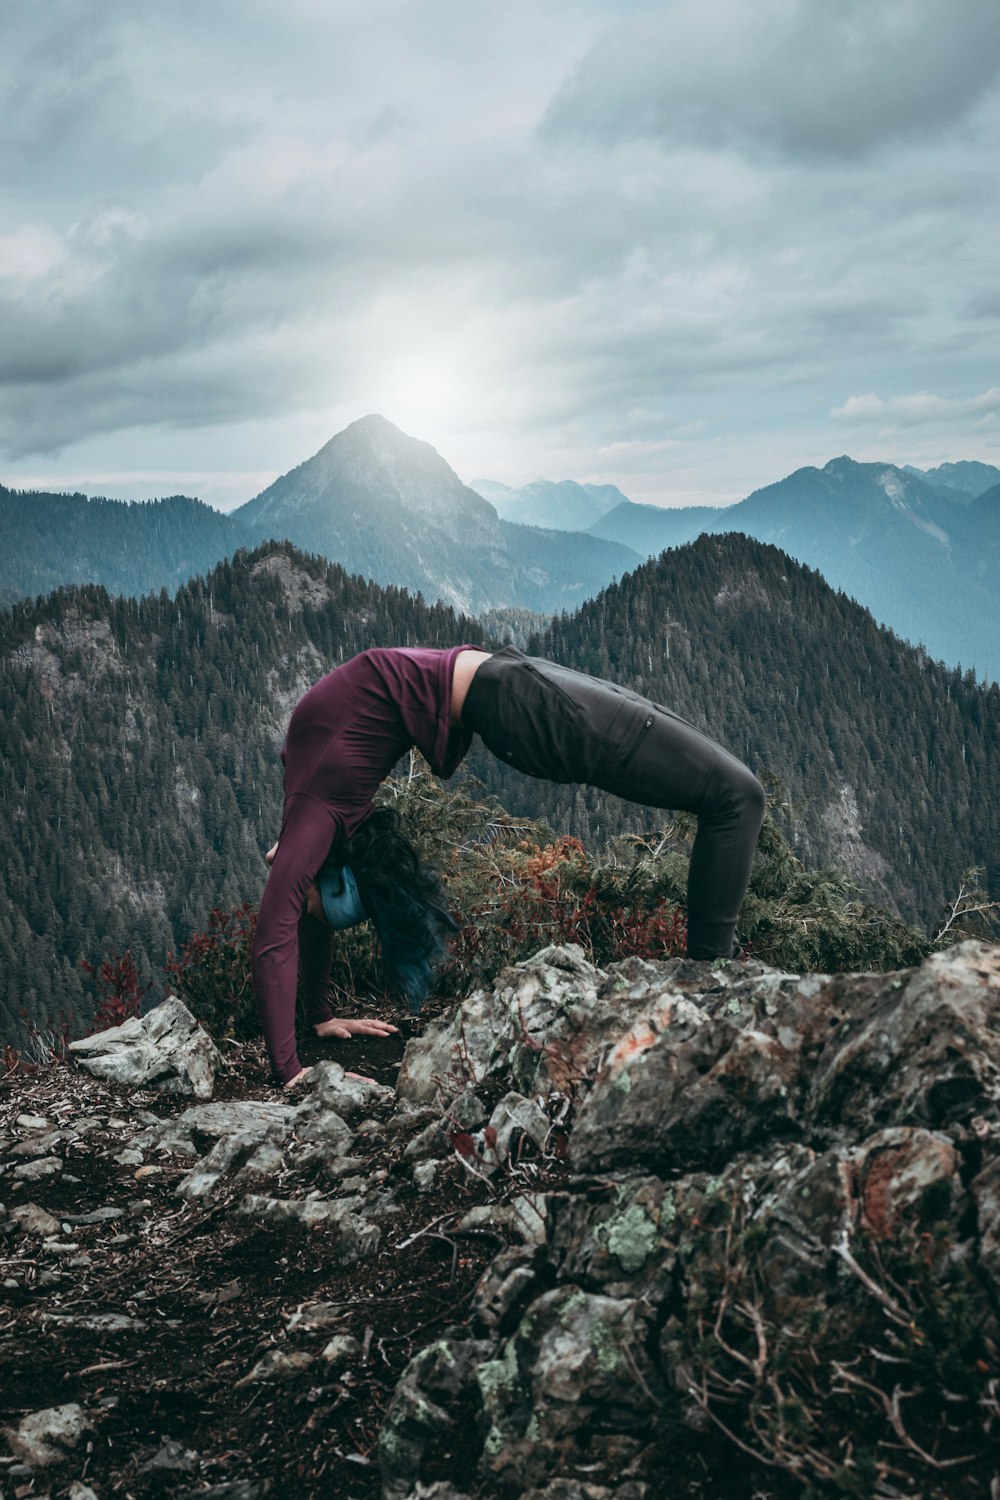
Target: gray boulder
[(773, 1174), (165, 1049)]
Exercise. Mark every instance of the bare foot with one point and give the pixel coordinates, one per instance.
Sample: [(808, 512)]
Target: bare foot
[(336, 1026), (299, 1079)]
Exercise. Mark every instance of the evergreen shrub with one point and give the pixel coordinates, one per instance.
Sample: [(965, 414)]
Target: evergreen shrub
[(516, 887), (212, 973)]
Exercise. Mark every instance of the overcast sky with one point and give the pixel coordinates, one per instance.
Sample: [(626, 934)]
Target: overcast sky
[(684, 246)]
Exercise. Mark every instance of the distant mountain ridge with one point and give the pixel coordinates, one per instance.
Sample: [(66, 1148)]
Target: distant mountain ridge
[(51, 540), (963, 478), (922, 553), (562, 505), (925, 561), (389, 506), (373, 499)]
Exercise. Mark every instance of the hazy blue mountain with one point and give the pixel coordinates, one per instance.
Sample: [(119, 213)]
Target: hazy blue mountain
[(384, 505), (560, 569), (490, 489), (51, 540), (561, 505), (650, 528), (922, 555), (389, 506), (899, 546), (964, 478), (922, 559)]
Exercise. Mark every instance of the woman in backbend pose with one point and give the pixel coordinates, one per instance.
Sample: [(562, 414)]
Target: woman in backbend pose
[(339, 860)]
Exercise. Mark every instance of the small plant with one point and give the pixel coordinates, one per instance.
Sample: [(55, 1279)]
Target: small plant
[(119, 990), (889, 1390), (212, 973)]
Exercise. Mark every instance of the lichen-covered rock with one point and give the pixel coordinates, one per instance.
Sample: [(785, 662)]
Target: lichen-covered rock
[(572, 1385), (347, 1096), (773, 1171), (436, 1395), (247, 1139), (546, 1021), (689, 1085), (166, 1049)]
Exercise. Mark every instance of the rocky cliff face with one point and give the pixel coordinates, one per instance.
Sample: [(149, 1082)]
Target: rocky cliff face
[(690, 1229)]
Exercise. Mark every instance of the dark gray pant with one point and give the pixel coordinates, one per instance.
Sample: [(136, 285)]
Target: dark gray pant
[(562, 725)]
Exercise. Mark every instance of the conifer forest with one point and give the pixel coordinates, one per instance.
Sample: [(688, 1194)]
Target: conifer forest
[(141, 781)]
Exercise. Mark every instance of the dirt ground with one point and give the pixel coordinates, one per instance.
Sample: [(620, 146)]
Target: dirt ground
[(214, 1295)]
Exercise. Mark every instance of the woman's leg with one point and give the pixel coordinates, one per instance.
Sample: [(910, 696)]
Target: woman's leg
[(678, 767), (553, 722)]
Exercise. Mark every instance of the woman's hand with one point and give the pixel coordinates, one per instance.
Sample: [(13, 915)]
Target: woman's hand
[(300, 1078), (338, 1026), (269, 856)]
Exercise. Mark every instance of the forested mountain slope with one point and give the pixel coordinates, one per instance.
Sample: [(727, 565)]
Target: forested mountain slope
[(52, 540), (924, 560), (892, 761), (141, 783)]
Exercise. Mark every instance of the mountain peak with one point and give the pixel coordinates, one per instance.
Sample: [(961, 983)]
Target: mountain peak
[(375, 434)]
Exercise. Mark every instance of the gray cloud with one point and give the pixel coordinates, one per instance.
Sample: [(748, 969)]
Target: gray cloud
[(822, 80), (920, 410), (271, 223)]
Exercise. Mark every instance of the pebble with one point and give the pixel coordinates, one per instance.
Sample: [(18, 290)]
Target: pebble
[(43, 1166), (128, 1158), (36, 1221), (342, 1166), (341, 1350), (38, 1145), (425, 1175), (33, 1122), (172, 1457), (43, 1437), (278, 1365), (97, 1216), (78, 1491), (98, 1322), (151, 1171)]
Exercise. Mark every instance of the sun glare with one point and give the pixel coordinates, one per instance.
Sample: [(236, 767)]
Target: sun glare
[(423, 397)]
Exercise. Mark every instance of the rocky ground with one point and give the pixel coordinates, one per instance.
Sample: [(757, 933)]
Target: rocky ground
[(672, 1230)]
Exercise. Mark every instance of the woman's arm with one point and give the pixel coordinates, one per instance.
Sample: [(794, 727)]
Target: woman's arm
[(306, 835)]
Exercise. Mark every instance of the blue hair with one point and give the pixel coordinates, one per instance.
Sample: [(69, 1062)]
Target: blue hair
[(406, 902)]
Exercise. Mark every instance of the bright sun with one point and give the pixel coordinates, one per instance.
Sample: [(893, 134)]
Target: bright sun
[(421, 396)]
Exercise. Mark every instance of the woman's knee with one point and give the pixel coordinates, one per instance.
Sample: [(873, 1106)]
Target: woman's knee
[(739, 793)]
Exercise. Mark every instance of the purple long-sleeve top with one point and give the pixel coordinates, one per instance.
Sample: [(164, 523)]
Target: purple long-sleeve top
[(344, 737)]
